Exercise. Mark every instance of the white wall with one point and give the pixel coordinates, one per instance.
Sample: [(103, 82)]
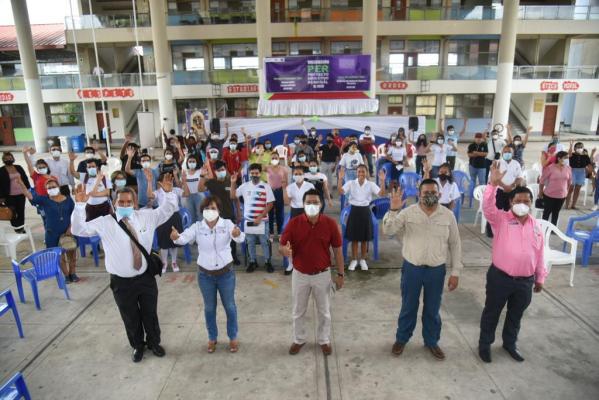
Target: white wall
[(524, 103), (586, 112)]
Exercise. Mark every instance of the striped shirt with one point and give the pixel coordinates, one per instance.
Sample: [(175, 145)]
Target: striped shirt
[(255, 199)]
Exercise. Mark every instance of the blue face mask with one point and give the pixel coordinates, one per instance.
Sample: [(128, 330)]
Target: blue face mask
[(120, 183), (507, 156), (221, 174), (124, 212), (92, 171)]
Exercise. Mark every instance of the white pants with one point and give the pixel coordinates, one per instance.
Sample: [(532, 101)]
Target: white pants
[(320, 287)]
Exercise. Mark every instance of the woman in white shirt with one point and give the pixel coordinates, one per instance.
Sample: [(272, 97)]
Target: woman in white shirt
[(320, 182), (294, 192), (358, 228), (439, 150), (194, 200), (448, 189), (216, 275), (349, 163), (397, 154)]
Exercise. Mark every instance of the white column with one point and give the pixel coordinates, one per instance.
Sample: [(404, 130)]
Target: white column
[(264, 40), (369, 25), (33, 89), (162, 57), (507, 49)]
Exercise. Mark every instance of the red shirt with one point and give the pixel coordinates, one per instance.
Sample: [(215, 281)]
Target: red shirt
[(234, 160), (39, 183), (311, 244), (338, 140)]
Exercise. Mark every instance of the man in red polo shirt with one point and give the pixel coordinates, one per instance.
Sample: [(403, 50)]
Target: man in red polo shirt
[(309, 238)]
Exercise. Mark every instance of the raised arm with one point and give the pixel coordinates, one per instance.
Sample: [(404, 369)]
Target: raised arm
[(184, 184), (102, 193), (394, 220), (491, 212), (463, 131), (79, 227), (525, 140), (161, 214), (128, 169), (382, 176), (184, 237), (72, 170), (27, 151)]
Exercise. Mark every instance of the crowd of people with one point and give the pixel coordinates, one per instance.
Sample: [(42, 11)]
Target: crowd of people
[(230, 189)]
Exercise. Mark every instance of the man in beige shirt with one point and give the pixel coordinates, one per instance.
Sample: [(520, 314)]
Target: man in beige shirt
[(430, 233)]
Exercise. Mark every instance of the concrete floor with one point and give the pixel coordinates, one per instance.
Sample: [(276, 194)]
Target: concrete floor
[(78, 349)]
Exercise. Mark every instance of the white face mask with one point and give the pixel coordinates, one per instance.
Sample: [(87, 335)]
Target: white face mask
[(298, 178), (517, 143), (191, 165), (53, 192), (520, 209), (55, 153), (311, 210), (274, 161), (89, 155), (578, 151), (495, 137), (168, 156), (451, 131), (210, 215)]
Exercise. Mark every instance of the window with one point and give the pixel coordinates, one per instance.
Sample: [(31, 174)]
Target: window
[(396, 63), (279, 49), (412, 53), (346, 3), (299, 4), (64, 114), (188, 57), (395, 100), (552, 98), (19, 114), (235, 56), (425, 3), (469, 105), (239, 107), (472, 52), (231, 5), (304, 48), (57, 68), (346, 47), (422, 105)]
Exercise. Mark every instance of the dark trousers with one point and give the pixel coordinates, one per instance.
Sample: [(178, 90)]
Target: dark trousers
[(552, 207), (451, 161), (137, 299), (234, 250), (503, 289), (18, 204), (277, 212), (419, 167), (413, 280)]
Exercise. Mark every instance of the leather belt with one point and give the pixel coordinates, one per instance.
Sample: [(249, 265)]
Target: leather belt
[(215, 272), (516, 278), (316, 272)]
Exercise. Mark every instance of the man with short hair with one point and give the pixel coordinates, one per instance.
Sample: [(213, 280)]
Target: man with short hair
[(366, 141), (60, 169), (89, 153), (517, 268), (477, 153), (329, 158), (430, 234), (309, 238), (141, 175), (96, 186)]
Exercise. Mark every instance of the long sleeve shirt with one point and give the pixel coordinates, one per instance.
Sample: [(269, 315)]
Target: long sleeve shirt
[(214, 251), (427, 239), (517, 247), (556, 180), (116, 243)]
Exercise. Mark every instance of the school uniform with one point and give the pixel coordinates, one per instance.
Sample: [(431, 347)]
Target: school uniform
[(359, 222)]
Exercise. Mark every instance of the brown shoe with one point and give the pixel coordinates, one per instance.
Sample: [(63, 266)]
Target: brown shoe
[(234, 346), (326, 349), (437, 353), (397, 348), (211, 346), (295, 348)]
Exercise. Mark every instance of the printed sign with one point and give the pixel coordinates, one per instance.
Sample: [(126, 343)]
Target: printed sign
[(245, 88), (106, 93), (6, 96), (554, 86), (394, 85)]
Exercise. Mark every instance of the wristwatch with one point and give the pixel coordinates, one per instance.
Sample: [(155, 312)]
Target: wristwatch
[(340, 274)]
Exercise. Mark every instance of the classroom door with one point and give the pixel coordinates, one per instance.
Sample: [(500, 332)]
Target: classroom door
[(100, 122), (549, 120), (7, 133)]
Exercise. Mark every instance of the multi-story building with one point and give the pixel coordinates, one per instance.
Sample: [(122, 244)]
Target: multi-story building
[(436, 58)]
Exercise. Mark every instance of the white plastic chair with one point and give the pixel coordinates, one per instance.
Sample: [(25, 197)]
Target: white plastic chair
[(478, 195), (461, 165), (282, 151), (537, 167), (534, 188), (10, 240), (584, 191), (558, 257), (531, 176)]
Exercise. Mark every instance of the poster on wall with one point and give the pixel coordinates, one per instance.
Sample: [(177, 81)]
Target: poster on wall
[(338, 73), (198, 119)]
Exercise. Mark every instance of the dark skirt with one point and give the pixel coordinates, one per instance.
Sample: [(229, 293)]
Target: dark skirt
[(359, 224), (164, 231)]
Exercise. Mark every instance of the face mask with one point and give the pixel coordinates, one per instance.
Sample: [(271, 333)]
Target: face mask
[(495, 137), (329, 140), (443, 177), (517, 143), (451, 131), (430, 200), (301, 158), (215, 137), (55, 153), (255, 179), (303, 142), (89, 155), (274, 161), (42, 171), (520, 209), (296, 141), (312, 210), (313, 133), (507, 156), (313, 169), (120, 183), (146, 164), (10, 161), (267, 146), (578, 151), (398, 143), (393, 137), (124, 212), (233, 146), (168, 156), (213, 156), (367, 132), (298, 178), (92, 171), (191, 165), (440, 141), (259, 151), (210, 215), (221, 174), (352, 151), (53, 192)]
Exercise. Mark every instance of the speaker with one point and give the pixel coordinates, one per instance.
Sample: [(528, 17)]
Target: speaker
[(413, 123), (215, 125)]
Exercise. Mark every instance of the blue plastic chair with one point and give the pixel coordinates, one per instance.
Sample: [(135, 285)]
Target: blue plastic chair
[(409, 182), (463, 181), (15, 388), (588, 238), (186, 219), (93, 241), (380, 206), (46, 265), (387, 167), (11, 305), (375, 227), (457, 209)]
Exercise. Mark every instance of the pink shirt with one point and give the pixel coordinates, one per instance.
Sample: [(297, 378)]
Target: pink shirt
[(556, 181), (517, 248), (276, 178)]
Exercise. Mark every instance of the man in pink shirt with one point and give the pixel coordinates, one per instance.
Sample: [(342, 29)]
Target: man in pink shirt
[(517, 265)]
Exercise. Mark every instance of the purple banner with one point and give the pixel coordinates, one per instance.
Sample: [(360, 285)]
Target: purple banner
[(347, 72)]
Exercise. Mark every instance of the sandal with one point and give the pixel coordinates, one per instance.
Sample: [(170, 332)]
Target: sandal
[(234, 346), (211, 346)]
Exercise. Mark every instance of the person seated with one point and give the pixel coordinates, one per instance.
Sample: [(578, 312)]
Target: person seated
[(448, 189)]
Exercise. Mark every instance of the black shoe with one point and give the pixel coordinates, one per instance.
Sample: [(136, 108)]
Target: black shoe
[(484, 353), (138, 354), (74, 278), (269, 267), (252, 267), (514, 353), (288, 272), (158, 350)]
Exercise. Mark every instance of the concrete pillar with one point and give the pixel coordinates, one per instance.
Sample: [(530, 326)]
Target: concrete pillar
[(369, 25), (507, 49), (33, 89), (89, 110), (264, 40), (164, 66)]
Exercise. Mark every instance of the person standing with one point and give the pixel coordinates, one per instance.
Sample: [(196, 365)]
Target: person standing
[(60, 169), (553, 186), (277, 179), (133, 286), (141, 175), (422, 148), (439, 150), (294, 192), (90, 154), (494, 145), (517, 266), (452, 140), (477, 160), (329, 158), (192, 181), (216, 275), (581, 165), (96, 185), (518, 143), (309, 238), (10, 190), (430, 235), (366, 142)]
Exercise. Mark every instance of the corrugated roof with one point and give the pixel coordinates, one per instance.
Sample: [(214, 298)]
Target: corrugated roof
[(45, 36)]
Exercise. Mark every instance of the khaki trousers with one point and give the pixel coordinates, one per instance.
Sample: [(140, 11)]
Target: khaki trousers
[(319, 286)]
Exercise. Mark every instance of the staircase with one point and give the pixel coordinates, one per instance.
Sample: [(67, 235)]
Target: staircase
[(517, 127)]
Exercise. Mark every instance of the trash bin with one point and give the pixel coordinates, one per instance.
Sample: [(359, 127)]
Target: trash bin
[(78, 143), (64, 143)]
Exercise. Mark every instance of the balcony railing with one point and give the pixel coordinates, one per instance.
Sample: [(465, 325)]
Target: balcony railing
[(556, 72), (317, 14), (98, 21), (211, 18)]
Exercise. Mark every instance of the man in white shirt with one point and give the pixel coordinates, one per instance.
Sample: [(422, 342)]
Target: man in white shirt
[(133, 286), (60, 169), (440, 150), (294, 192), (494, 144), (96, 185)]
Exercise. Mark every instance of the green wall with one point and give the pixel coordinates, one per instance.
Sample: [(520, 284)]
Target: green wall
[(23, 135)]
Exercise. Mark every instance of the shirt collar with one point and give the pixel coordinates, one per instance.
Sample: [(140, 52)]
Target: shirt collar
[(305, 219), (218, 223)]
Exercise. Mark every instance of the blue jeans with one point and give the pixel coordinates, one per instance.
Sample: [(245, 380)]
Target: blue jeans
[(413, 279), (192, 204), (251, 240), (224, 285), (478, 173), (277, 212)]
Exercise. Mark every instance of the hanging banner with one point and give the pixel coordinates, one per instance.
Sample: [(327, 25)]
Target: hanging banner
[(340, 73)]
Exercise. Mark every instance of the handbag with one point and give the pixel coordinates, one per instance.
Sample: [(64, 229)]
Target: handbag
[(152, 259), (67, 242), (7, 213), (539, 203)]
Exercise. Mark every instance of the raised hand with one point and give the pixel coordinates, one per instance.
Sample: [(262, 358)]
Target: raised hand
[(130, 152), (495, 176), (167, 183), (72, 156), (184, 176), (236, 232), (382, 175), (234, 177), (397, 200), (174, 234), (80, 195), (286, 250), (426, 165)]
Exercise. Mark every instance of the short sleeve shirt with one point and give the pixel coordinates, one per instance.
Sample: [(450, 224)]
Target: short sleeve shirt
[(449, 192), (360, 195), (397, 153), (255, 199), (296, 194), (514, 171), (351, 161), (499, 145), (477, 162), (89, 185), (222, 190), (439, 154)]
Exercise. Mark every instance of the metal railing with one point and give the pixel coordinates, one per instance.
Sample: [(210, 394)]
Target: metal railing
[(124, 20), (556, 72), (317, 14), (211, 17)]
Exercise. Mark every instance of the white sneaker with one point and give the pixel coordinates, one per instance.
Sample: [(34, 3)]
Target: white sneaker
[(175, 267), (363, 265), (289, 267), (352, 265), (595, 207), (164, 269)]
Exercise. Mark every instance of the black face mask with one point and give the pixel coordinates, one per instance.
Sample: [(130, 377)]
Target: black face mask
[(255, 179), (329, 140), (8, 161)]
